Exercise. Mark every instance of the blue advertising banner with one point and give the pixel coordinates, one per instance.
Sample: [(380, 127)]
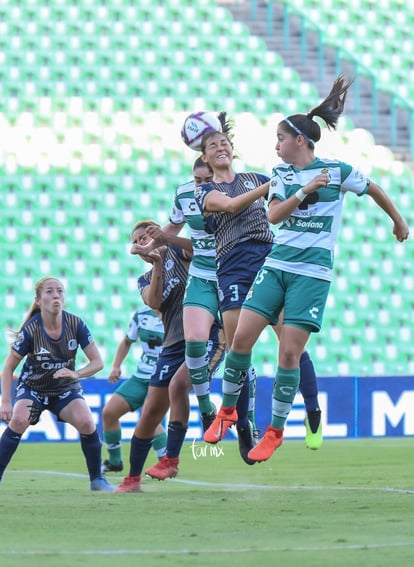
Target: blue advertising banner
[(351, 407)]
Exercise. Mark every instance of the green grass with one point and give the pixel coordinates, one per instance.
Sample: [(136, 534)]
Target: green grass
[(350, 503)]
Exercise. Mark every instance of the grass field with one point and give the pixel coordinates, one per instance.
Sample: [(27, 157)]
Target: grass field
[(350, 503)]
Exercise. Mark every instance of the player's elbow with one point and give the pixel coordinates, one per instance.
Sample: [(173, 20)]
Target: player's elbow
[(274, 218), (154, 303)]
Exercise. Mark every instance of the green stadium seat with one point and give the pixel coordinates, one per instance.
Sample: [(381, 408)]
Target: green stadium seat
[(138, 76)]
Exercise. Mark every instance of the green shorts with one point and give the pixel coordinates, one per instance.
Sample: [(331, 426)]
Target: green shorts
[(202, 293), (134, 391), (302, 297)]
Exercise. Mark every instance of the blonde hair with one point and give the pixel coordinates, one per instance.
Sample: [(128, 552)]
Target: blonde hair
[(34, 308)]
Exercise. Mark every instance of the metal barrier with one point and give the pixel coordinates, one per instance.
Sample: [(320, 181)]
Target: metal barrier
[(342, 55)]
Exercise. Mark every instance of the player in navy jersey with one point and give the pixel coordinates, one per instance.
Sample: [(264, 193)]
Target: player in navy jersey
[(146, 326), (305, 196), (48, 340), (162, 288), (239, 225)]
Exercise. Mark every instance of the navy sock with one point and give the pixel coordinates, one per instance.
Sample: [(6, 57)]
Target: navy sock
[(314, 419), (92, 449), (243, 405), (175, 439), (138, 454), (308, 384), (8, 444)]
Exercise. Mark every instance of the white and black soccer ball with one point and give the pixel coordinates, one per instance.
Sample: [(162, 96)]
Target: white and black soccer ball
[(196, 125)]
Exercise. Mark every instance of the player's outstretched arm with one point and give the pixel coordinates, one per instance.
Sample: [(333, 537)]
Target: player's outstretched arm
[(400, 229)]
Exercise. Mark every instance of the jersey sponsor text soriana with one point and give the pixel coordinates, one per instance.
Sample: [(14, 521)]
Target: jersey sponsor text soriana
[(186, 210), (305, 241), (146, 326)]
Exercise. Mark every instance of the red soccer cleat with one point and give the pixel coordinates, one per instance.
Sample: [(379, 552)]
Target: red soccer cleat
[(226, 417), (130, 484), (167, 467), (272, 439)]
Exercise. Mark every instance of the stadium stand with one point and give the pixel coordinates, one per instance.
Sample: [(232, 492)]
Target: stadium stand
[(90, 143)]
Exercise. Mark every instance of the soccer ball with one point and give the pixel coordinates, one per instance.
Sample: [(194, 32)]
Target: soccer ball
[(196, 125)]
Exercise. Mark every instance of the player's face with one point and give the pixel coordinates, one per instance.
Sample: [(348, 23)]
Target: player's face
[(202, 174), (141, 237), (218, 151), (286, 146), (52, 296), (140, 241)]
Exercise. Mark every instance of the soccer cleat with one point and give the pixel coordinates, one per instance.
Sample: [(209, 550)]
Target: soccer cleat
[(167, 467), (107, 466), (246, 442), (272, 439), (100, 484), (208, 418), (226, 417), (130, 484), (313, 425)]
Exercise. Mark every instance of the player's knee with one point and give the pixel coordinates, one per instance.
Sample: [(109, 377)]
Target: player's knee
[(289, 358), (19, 424), (107, 415), (85, 425)]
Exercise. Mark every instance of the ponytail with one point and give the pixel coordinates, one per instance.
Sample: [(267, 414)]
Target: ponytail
[(329, 110)]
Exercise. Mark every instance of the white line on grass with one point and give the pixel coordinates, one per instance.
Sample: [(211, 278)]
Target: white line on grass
[(293, 487), (114, 552), (184, 552), (247, 486)]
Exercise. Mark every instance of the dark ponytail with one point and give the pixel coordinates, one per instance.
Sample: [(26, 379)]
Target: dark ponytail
[(333, 105), (329, 110)]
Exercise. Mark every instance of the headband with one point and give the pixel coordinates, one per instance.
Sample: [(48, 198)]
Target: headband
[(296, 129)]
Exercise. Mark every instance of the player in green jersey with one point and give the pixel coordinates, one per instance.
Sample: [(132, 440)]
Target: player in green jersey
[(305, 199), (146, 327)]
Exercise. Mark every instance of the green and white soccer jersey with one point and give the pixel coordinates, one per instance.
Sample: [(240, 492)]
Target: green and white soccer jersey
[(305, 241), (186, 210), (146, 326)]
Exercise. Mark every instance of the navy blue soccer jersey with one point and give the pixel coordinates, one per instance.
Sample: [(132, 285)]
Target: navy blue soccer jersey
[(175, 273), (45, 355), (232, 228)]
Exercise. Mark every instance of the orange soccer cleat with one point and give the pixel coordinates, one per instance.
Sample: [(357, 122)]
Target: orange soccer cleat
[(130, 484), (167, 467), (226, 417), (272, 439)]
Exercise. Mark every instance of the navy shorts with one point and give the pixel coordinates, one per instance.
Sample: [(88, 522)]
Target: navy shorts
[(236, 272), (169, 361), (42, 402)]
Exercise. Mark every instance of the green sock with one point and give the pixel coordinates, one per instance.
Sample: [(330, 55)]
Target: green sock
[(235, 372), (113, 444), (196, 358), (284, 392), (159, 444)]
